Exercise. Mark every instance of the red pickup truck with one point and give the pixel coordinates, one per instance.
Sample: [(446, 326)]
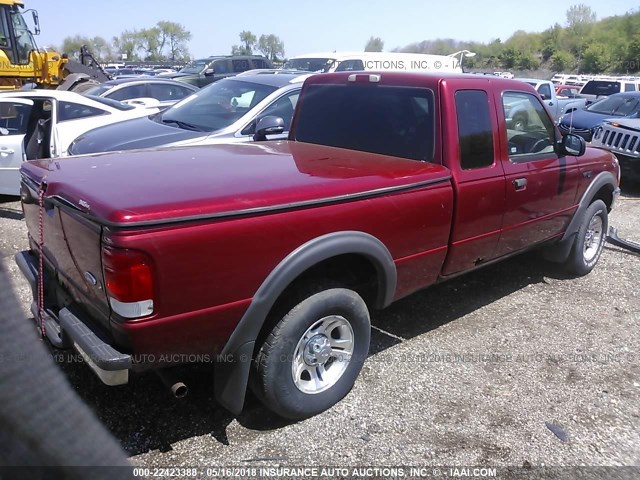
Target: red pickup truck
[(269, 256)]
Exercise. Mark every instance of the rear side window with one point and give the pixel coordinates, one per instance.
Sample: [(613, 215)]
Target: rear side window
[(259, 63), (241, 65), (127, 93), (165, 92), (630, 87), (475, 132), (395, 121), (600, 87), (221, 66), (74, 111)]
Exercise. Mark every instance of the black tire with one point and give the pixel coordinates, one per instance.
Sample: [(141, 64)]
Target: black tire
[(586, 249), (274, 377), (520, 122)]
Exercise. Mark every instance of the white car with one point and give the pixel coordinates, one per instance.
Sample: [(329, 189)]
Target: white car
[(43, 123)]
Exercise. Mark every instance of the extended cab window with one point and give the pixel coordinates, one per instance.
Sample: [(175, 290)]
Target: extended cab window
[(396, 121), (530, 131), (475, 132)]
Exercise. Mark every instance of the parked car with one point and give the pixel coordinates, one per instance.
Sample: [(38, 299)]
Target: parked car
[(567, 91), (42, 123), (622, 137), (584, 122), (226, 111), (595, 89), (204, 71), (518, 117), (268, 257), (164, 90)]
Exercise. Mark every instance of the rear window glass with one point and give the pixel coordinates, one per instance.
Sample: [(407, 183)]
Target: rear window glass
[(600, 87), (396, 121)]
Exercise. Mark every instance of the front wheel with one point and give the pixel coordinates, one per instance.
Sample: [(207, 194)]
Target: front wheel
[(589, 240), (312, 357)]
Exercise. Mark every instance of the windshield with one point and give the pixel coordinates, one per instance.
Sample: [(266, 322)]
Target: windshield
[(24, 39), (600, 87), (196, 67), (97, 90), (216, 106), (111, 103), (617, 105), (310, 64)]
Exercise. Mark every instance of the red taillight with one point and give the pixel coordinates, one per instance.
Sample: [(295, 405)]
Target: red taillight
[(128, 274)]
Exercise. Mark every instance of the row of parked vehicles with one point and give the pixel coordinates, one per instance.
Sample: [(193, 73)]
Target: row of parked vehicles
[(132, 113)]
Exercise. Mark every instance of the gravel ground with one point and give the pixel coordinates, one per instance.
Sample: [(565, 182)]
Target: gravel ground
[(481, 370)]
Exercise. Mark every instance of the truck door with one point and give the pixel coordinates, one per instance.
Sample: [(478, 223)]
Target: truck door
[(479, 185), (544, 89), (541, 186), (14, 123)]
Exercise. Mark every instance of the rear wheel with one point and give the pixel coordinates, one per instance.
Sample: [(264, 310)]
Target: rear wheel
[(314, 354), (589, 240)]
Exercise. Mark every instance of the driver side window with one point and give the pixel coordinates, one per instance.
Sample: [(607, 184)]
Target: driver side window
[(530, 132)]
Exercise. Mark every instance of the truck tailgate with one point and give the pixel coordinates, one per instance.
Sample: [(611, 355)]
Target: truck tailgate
[(72, 248)]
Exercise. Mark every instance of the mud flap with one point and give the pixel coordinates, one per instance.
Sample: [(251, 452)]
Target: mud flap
[(232, 377)]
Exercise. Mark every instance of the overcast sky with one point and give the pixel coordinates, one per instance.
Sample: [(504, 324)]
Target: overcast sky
[(307, 27)]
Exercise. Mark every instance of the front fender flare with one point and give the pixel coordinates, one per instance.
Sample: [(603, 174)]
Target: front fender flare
[(601, 180)]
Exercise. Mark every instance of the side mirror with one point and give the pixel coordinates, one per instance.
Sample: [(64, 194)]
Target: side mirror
[(208, 72), (269, 125), (572, 145), (544, 97)]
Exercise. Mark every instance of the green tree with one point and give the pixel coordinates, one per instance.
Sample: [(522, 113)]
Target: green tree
[(127, 44), (563, 61), (580, 16), (580, 19), (97, 46), (374, 44), (149, 42), (271, 46), (596, 59), (172, 40), (249, 40)]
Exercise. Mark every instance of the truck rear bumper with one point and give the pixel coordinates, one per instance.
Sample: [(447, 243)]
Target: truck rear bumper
[(66, 328)]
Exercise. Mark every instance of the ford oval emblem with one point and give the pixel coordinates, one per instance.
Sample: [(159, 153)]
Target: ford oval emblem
[(90, 278)]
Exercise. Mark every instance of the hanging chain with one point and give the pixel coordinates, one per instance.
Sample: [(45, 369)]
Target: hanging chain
[(40, 318)]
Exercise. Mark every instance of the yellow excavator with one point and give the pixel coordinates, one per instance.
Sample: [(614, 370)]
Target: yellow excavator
[(23, 64)]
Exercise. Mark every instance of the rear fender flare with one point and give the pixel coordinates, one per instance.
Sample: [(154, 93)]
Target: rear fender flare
[(233, 373)]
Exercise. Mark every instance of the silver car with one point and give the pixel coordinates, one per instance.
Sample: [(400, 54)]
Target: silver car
[(225, 111)]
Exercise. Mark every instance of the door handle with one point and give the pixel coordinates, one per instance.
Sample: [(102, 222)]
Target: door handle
[(5, 152), (520, 183)]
